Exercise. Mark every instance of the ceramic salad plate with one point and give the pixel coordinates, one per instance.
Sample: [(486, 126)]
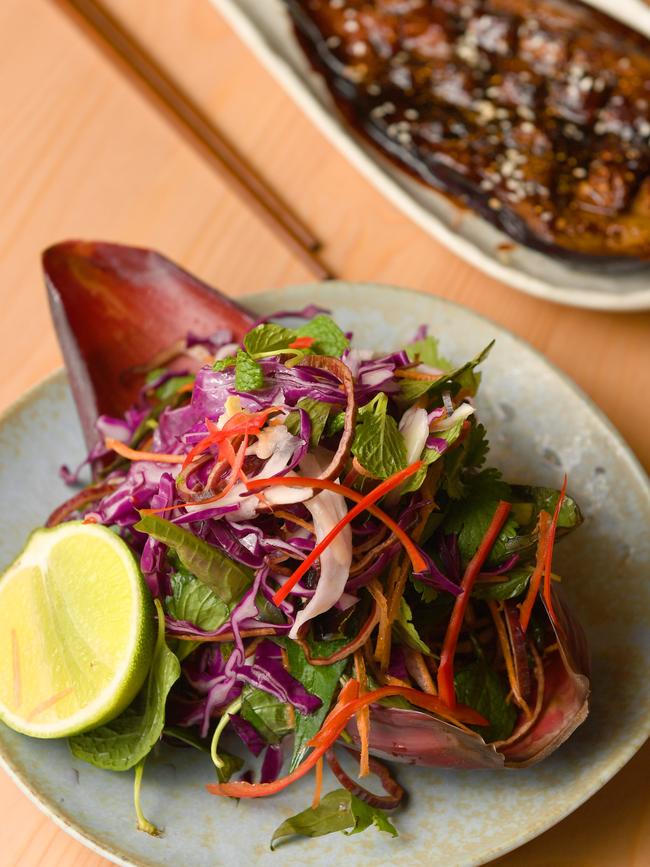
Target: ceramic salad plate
[(266, 30), (541, 426)]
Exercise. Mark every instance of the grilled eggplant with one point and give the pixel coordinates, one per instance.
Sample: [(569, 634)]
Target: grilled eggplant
[(535, 115)]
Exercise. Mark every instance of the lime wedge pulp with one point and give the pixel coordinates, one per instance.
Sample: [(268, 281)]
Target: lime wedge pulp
[(76, 631)]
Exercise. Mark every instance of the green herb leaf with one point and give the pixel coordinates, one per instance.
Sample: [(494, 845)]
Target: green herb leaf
[(529, 502), (271, 717), (469, 455), (249, 376), (318, 412), (226, 578), (328, 337), (224, 363), (268, 337), (471, 516), (462, 377), (126, 740), (378, 445), (426, 351), (338, 811), (406, 632), (335, 423), (515, 584), (169, 388), (194, 601), (483, 689), (320, 680)]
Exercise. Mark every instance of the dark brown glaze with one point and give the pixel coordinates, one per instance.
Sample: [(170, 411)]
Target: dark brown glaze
[(535, 115)]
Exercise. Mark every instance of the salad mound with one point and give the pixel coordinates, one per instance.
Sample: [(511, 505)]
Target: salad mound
[(337, 569)]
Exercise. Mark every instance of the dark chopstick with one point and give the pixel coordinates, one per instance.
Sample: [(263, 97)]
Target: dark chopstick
[(190, 120)]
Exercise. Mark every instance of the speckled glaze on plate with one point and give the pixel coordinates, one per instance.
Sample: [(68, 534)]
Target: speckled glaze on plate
[(266, 29), (539, 426)]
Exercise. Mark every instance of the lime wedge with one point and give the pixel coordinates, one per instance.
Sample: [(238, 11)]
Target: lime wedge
[(76, 631)]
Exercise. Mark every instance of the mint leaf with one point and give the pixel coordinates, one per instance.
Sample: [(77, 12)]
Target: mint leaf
[(406, 632), (480, 687), (125, 741), (268, 337), (320, 680), (338, 811), (249, 376), (226, 578), (328, 337), (270, 716), (224, 363), (378, 445), (318, 412)]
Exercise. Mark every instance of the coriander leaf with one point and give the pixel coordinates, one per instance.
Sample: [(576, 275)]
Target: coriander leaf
[(268, 338), (378, 444), (406, 632), (271, 717), (328, 337), (468, 455), (426, 591), (471, 516), (513, 585), (427, 352), (223, 363), (338, 811), (320, 680), (224, 576), (529, 502), (126, 740), (318, 412), (249, 376), (480, 687)]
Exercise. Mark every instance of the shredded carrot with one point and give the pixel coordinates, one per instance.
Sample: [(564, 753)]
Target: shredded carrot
[(185, 388), (239, 423), (44, 705), (135, 455), (363, 503), (18, 684), (382, 606), (507, 657), (396, 681), (536, 578), (346, 707), (446, 689), (409, 373), (89, 519), (319, 784), (548, 597), (363, 717)]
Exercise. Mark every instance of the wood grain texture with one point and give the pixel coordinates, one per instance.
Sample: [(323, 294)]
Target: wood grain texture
[(82, 154)]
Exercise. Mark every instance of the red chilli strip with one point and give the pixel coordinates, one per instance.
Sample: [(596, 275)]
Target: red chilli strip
[(536, 578), (302, 343), (363, 504), (446, 689), (548, 597)]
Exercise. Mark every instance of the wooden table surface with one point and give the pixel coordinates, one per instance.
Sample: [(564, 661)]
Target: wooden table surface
[(83, 154)]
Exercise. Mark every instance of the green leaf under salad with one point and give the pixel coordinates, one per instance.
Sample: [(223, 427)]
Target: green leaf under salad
[(125, 741), (340, 810)]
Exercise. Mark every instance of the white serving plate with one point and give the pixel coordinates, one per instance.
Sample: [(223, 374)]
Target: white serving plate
[(265, 28)]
